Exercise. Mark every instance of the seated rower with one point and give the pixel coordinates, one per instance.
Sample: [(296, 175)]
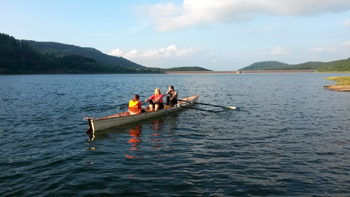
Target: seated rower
[(171, 99), (135, 105), (156, 100)]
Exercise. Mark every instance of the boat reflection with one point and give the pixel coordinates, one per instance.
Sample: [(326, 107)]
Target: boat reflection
[(152, 134), (135, 142)]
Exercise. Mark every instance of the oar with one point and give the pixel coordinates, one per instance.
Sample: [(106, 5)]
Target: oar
[(200, 109), (225, 107)]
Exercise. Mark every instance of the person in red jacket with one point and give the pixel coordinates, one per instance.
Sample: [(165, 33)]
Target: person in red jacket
[(156, 100), (135, 105)]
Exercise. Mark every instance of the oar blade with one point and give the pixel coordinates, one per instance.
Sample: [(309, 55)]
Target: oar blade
[(226, 107), (231, 107)]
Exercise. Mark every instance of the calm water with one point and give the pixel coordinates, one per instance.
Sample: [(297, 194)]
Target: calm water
[(290, 136)]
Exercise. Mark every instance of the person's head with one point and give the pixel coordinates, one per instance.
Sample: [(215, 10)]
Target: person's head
[(136, 97), (157, 91), (171, 88)]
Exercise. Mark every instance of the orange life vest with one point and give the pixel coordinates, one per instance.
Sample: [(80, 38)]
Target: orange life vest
[(134, 107)]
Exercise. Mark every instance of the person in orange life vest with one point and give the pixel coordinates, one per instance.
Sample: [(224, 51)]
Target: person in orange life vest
[(156, 100), (135, 105)]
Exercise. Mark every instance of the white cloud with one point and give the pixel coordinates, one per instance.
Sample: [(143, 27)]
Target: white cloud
[(321, 49), (346, 22), (279, 51), (341, 48), (316, 50), (117, 52), (347, 43), (167, 16), (172, 51)]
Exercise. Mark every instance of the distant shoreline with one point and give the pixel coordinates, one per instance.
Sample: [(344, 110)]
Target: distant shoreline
[(200, 72), (240, 72), (338, 88), (186, 72)]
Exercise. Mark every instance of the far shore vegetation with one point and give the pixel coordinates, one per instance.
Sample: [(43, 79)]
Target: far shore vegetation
[(32, 57), (19, 57), (332, 66)]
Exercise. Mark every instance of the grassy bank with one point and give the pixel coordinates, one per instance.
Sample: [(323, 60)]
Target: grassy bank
[(343, 84), (341, 81)]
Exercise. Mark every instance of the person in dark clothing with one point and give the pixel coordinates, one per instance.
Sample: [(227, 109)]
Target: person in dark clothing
[(171, 99)]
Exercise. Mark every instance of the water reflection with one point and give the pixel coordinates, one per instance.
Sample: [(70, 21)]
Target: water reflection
[(163, 131), (138, 138), (157, 126), (135, 142)]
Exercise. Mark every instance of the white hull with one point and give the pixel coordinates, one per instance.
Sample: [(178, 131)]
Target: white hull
[(125, 118)]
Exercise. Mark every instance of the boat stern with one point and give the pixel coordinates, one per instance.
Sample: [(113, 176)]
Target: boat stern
[(90, 130)]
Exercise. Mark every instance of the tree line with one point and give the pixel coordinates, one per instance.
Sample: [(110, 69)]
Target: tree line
[(333, 66), (60, 50), (18, 57)]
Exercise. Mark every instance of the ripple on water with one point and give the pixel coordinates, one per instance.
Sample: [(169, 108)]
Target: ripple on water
[(289, 136)]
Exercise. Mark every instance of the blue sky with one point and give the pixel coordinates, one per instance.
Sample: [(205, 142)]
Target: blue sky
[(214, 34)]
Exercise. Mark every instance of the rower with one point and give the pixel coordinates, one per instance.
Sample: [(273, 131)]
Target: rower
[(156, 100), (135, 105), (171, 99)]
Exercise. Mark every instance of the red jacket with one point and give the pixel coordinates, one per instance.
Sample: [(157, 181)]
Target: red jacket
[(156, 98)]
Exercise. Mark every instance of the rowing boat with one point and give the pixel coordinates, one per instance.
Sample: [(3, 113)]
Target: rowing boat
[(114, 120)]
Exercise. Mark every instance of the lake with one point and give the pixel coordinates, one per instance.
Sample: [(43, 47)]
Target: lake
[(289, 136)]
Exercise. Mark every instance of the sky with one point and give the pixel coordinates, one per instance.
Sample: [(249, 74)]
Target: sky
[(221, 35)]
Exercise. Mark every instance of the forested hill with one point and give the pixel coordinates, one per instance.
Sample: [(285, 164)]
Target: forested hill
[(333, 66), (274, 65), (60, 50), (188, 68), (18, 57), (337, 66)]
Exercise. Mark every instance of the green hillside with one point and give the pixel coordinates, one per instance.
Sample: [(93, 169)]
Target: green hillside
[(188, 68), (333, 66), (18, 57), (60, 50), (267, 65), (336, 66), (306, 66)]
